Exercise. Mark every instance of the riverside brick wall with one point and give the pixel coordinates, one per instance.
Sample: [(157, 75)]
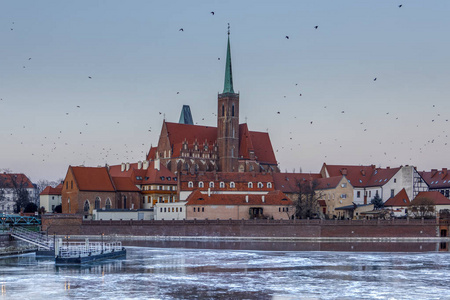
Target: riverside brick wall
[(72, 224)]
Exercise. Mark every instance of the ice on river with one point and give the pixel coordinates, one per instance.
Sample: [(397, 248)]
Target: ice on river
[(176, 273)]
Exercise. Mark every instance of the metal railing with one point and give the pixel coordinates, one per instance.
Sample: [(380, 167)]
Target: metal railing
[(32, 237), (80, 249)]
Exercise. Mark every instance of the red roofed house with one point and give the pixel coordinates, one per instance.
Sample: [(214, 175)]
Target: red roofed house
[(440, 201), (88, 188), (331, 192), (50, 197), (367, 181), (229, 147), (438, 180), (398, 205), (10, 185), (156, 182), (210, 206)]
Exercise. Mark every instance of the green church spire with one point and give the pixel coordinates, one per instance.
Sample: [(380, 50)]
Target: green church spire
[(228, 87)]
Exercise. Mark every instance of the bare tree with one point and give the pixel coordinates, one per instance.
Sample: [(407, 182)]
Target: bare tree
[(307, 203), (422, 207), (20, 185)]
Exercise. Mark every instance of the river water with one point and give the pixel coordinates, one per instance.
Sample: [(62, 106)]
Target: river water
[(254, 270)]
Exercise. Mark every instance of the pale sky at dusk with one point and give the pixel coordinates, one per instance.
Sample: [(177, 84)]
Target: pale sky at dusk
[(139, 59)]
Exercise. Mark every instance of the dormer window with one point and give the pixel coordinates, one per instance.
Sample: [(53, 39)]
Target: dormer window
[(200, 184), (260, 185), (211, 184), (232, 185), (222, 185), (190, 184), (269, 185), (250, 185)]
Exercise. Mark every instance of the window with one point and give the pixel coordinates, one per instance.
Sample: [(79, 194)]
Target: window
[(222, 185), (358, 194), (67, 185), (71, 184), (211, 184), (124, 201), (343, 196), (160, 210), (97, 203), (165, 209), (190, 184), (177, 209), (223, 110), (203, 209), (370, 193), (344, 185), (446, 193), (250, 185), (260, 185), (269, 185), (194, 209), (395, 180), (108, 204), (200, 184), (232, 110), (232, 185), (181, 209), (86, 206)]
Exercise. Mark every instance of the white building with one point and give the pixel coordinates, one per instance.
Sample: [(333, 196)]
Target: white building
[(50, 198), (122, 214), (170, 211), (10, 185)]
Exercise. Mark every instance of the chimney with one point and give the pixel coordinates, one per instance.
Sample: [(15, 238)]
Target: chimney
[(145, 165), (157, 164), (246, 198), (139, 165), (433, 172), (127, 167), (388, 168), (263, 199), (363, 172), (444, 172), (122, 167), (209, 192)]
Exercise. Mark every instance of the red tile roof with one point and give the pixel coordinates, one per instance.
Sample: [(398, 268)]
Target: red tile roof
[(92, 179), (149, 175), (401, 199), (436, 197), (52, 190), (363, 176), (287, 182), (152, 153), (436, 178), (258, 142), (7, 180), (123, 184), (271, 198)]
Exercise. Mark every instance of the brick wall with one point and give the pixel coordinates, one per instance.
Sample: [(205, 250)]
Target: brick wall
[(72, 224)]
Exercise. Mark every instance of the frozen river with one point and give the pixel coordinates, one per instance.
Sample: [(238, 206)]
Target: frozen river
[(150, 272)]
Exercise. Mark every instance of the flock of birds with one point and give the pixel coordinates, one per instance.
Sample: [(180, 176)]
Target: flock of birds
[(134, 151)]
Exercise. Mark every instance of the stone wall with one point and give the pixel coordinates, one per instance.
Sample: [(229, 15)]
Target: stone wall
[(74, 225)]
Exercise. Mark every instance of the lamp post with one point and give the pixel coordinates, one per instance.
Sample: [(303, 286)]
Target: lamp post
[(102, 242)]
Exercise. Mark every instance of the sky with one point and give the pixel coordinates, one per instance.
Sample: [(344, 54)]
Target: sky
[(90, 82)]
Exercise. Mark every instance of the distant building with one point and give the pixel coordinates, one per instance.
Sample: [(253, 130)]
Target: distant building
[(438, 180), (170, 211), (273, 205), (11, 185), (439, 201), (398, 205), (50, 197)]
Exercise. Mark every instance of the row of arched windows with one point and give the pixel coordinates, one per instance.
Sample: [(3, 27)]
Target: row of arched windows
[(97, 204), (260, 185)]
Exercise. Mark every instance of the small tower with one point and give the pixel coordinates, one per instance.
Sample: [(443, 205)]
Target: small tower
[(228, 120), (186, 116)]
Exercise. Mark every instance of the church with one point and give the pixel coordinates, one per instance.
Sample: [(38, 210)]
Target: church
[(229, 147)]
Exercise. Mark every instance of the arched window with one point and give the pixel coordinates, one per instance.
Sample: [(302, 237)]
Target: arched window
[(86, 206), (97, 203), (124, 202), (223, 110), (68, 203), (190, 184), (232, 185), (269, 185), (211, 184), (232, 110), (260, 185), (200, 184), (222, 185), (250, 185), (108, 204)]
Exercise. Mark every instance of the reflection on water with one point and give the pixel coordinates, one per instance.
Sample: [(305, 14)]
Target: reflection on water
[(237, 271)]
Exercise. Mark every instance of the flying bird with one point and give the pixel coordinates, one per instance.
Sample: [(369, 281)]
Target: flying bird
[(278, 112), (212, 13), (287, 37), (375, 79), (400, 5), (181, 29), (90, 77), (316, 27)]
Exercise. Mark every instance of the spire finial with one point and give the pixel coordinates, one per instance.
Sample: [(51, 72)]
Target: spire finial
[(228, 87)]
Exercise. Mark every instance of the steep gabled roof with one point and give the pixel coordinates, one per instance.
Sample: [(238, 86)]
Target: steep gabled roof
[(178, 133), (92, 179), (271, 198), (401, 199), (12, 180), (329, 183), (287, 182), (263, 147), (149, 175), (435, 196), (363, 176), (436, 178)]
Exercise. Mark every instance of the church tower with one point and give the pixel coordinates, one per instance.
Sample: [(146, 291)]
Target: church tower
[(228, 120)]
